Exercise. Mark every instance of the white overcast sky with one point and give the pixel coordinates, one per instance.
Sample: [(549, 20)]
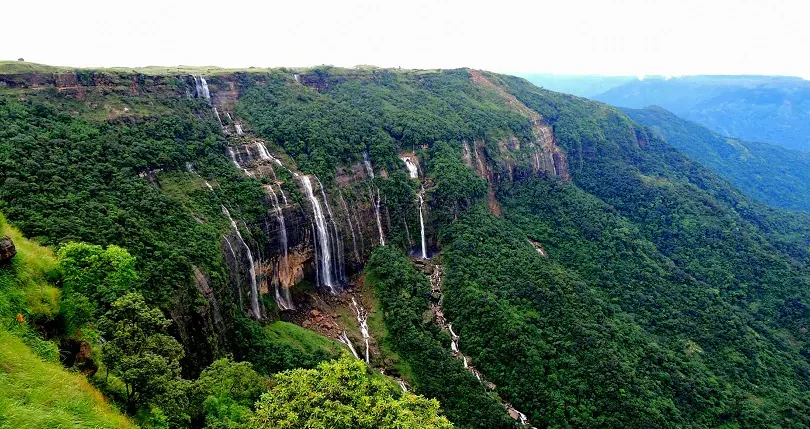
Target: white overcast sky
[(630, 37)]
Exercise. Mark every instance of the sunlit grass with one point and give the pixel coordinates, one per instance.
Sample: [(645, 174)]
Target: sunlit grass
[(37, 394)]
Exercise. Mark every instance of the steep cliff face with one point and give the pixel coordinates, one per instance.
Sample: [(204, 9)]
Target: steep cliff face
[(294, 224), (541, 155)]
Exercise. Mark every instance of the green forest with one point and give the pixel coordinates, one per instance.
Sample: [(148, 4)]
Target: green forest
[(654, 288)]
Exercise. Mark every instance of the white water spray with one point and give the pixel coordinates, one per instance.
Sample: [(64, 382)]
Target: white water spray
[(362, 319), (422, 224), (254, 290), (202, 87), (343, 338), (413, 170), (325, 260), (282, 296)]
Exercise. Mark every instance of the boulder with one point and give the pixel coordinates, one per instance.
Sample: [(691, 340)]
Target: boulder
[(7, 249)]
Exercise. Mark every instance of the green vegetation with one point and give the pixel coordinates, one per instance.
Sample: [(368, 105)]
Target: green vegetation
[(303, 339), (776, 176), (664, 298), (39, 394), (770, 109), (404, 296), (341, 394)]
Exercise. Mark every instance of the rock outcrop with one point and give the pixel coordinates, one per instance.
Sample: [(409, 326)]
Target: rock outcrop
[(7, 249)]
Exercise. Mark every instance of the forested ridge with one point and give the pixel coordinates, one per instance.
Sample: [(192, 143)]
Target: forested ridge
[(632, 288)]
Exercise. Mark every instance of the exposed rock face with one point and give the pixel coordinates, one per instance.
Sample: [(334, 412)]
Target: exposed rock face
[(288, 249), (541, 155), (7, 249)]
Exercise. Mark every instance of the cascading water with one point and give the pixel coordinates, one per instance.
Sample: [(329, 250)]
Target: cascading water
[(202, 87), (216, 113), (324, 262), (337, 243), (282, 296), (454, 339), (362, 319), (370, 171), (351, 228), (254, 290), (343, 338), (233, 158), (238, 128), (413, 170), (422, 223)]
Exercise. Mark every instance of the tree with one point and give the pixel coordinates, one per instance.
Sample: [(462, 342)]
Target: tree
[(225, 392), (102, 274), (138, 350), (340, 394)]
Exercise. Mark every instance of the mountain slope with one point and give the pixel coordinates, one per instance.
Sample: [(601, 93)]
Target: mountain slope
[(581, 270), (770, 109), (37, 391), (771, 174)]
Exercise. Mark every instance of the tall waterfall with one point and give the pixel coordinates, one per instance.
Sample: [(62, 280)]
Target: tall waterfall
[(370, 171), (351, 228), (202, 87), (324, 262), (282, 296), (362, 319), (422, 224), (413, 170), (337, 243), (254, 289)]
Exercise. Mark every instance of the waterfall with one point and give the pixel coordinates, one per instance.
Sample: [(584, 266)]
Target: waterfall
[(370, 171), (379, 221), (343, 338), (284, 301), (238, 129), (324, 261), (413, 170), (336, 242), (454, 339), (233, 158), (422, 223), (362, 318), (351, 228), (202, 87), (216, 113), (367, 162), (254, 290)]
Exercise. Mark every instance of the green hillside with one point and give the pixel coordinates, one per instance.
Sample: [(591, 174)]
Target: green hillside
[(776, 176), (37, 391), (585, 268)]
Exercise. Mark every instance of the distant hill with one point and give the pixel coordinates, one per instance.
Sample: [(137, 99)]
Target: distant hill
[(580, 85), (774, 175), (773, 109)]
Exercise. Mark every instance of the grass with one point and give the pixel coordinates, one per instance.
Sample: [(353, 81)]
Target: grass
[(37, 394), (303, 339), (24, 283)]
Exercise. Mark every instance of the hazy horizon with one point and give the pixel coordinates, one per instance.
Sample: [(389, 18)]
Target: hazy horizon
[(580, 37)]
